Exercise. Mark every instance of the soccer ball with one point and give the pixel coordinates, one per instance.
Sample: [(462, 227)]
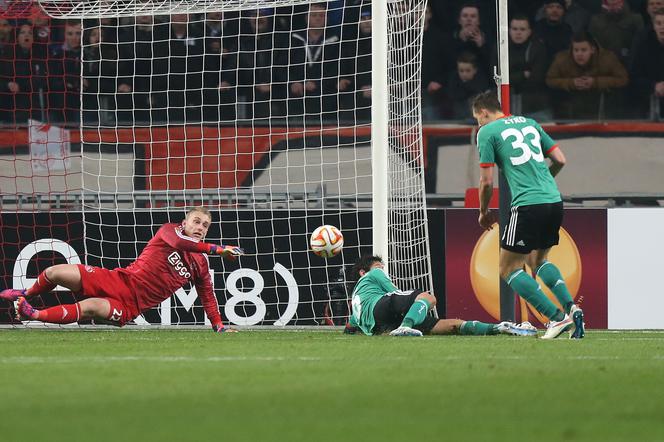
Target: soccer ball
[(326, 241)]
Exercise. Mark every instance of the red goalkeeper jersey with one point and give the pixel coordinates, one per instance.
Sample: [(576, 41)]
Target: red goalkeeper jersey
[(169, 261)]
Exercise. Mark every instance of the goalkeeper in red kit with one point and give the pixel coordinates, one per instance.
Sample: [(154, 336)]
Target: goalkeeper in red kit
[(173, 257)]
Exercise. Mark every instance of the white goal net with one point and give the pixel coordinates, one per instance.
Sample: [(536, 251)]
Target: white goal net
[(260, 110)]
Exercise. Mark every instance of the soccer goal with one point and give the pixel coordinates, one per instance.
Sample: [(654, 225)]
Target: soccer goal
[(280, 116)]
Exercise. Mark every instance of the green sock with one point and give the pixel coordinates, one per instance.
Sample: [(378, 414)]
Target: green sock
[(477, 328), (550, 275), (531, 291), (416, 314)]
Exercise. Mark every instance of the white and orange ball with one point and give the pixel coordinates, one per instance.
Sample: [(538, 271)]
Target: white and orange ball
[(326, 241)]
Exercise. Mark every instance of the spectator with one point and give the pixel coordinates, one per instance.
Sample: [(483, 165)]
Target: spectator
[(260, 76), (65, 75), (615, 27), (465, 83), (106, 81), (23, 80), (221, 32), (95, 84), (445, 16), (355, 80), (185, 70), (214, 31), (470, 37), (111, 29), (581, 76), (436, 67), (6, 37), (220, 67), (351, 18), (552, 29), (314, 67), (528, 64), (335, 12), (142, 50), (46, 32), (647, 69), (577, 15), (652, 6), (290, 18)]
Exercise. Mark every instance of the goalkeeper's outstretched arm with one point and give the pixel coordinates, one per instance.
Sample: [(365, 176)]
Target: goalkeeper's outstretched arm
[(189, 235)]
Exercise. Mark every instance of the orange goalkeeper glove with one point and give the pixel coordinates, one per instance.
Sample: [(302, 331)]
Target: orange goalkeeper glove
[(228, 252), (219, 328)]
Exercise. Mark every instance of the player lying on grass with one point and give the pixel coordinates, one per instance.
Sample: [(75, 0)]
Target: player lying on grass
[(173, 257), (519, 146), (378, 307)]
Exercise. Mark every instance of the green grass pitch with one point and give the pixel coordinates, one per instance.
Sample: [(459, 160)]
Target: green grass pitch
[(162, 385)]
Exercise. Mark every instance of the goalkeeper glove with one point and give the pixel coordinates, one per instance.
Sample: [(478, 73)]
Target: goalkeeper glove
[(229, 252), (219, 328)]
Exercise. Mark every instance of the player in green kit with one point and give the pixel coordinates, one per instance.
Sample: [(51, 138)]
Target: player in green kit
[(378, 307), (519, 146)]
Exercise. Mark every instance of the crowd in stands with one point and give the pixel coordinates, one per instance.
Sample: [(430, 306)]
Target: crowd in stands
[(569, 60)]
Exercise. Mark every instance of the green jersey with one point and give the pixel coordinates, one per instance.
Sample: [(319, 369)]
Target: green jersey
[(369, 289), (518, 146)]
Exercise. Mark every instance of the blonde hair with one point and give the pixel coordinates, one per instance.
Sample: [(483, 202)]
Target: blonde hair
[(201, 209)]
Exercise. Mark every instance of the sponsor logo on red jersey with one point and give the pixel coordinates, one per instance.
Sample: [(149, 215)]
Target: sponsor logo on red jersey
[(176, 261)]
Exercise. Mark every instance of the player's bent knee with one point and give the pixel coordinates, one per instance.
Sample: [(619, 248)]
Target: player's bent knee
[(428, 297), (66, 275), (95, 308), (535, 265), (507, 270), (52, 272), (455, 326)]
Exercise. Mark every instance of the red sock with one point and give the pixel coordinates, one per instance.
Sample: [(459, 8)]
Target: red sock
[(60, 314), (43, 285)]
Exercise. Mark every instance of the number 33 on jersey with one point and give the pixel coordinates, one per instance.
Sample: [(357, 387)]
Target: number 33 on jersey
[(518, 146)]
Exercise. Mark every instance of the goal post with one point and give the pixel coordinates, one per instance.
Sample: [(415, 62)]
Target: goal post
[(507, 310), (380, 128), (278, 115)]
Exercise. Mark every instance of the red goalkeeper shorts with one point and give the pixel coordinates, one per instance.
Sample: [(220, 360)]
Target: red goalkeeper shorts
[(97, 282)]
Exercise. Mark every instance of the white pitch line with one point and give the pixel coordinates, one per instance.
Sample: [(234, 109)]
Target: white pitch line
[(107, 359), (627, 338), (29, 360)]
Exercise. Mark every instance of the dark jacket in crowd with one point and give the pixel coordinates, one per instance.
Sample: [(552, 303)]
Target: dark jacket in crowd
[(530, 56), (317, 62), (65, 83), (356, 67), (261, 62), (556, 36), (459, 94), (647, 67), (616, 31), (29, 70)]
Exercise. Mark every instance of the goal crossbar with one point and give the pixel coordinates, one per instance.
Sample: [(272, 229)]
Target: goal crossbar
[(72, 9)]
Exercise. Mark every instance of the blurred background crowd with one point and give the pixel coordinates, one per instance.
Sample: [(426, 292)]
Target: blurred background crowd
[(569, 60)]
